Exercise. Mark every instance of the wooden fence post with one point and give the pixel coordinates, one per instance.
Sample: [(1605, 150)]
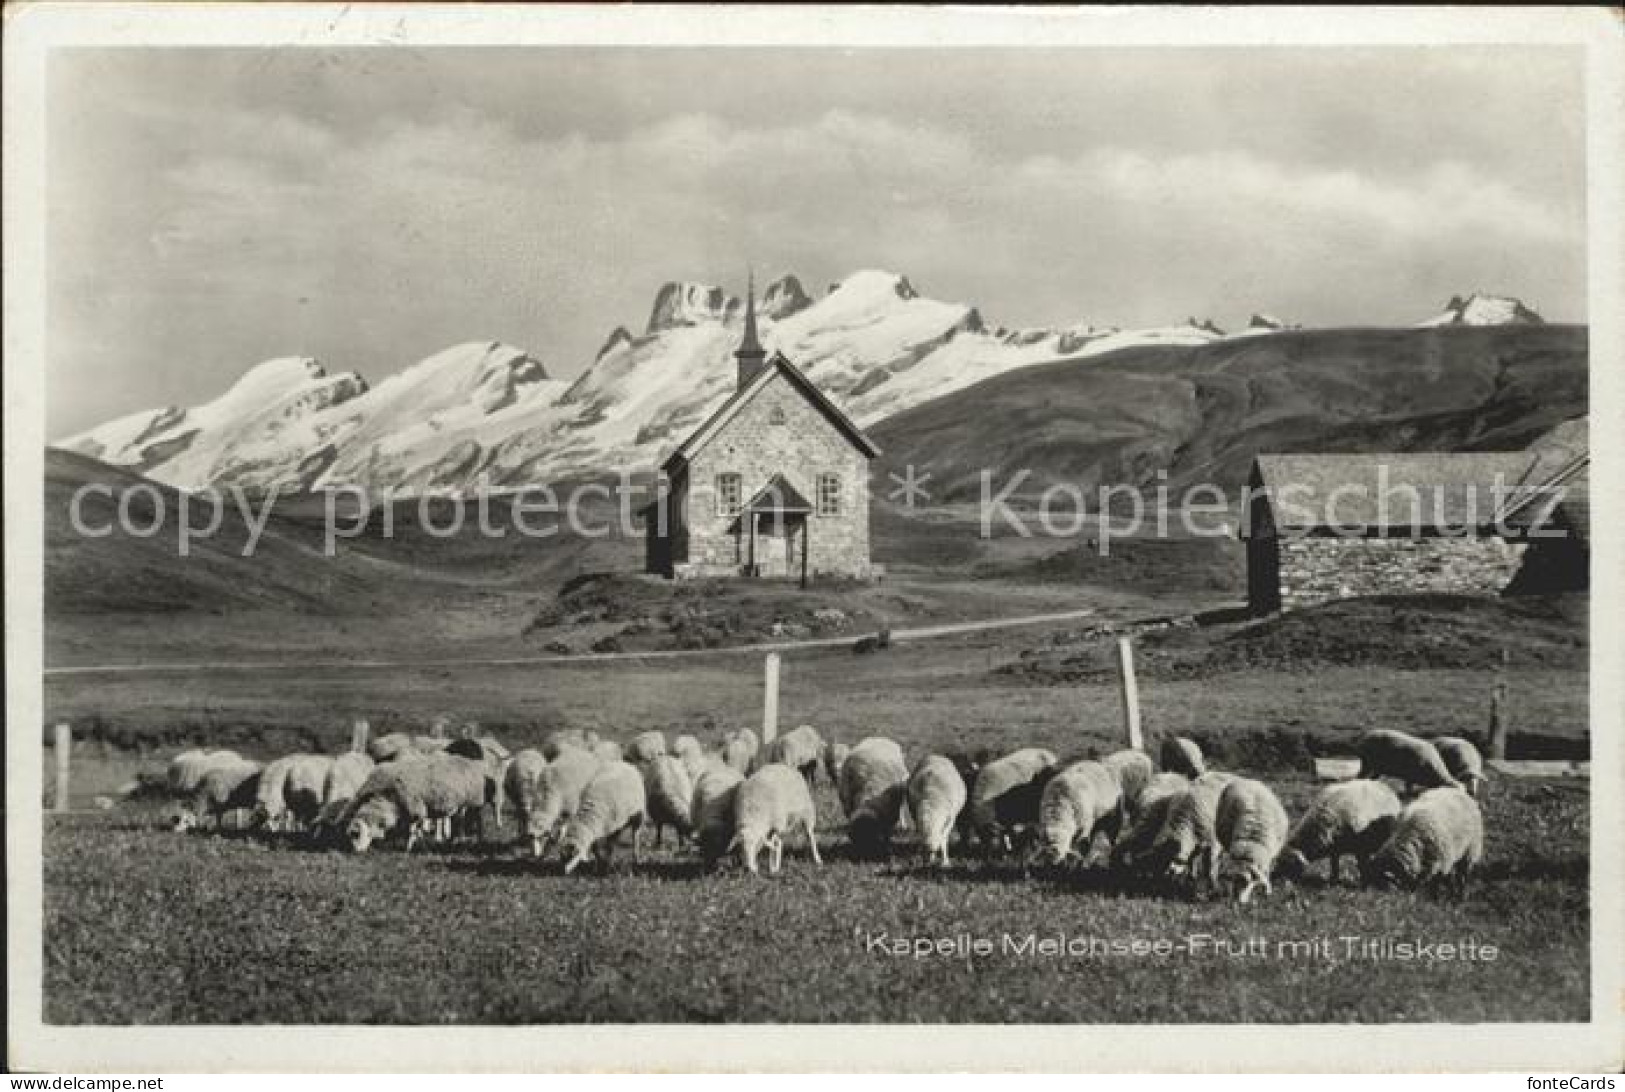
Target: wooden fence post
[(1500, 721), (770, 699), (64, 755), (1131, 693), (359, 731)]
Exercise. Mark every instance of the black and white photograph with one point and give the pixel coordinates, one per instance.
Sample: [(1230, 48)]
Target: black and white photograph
[(570, 524)]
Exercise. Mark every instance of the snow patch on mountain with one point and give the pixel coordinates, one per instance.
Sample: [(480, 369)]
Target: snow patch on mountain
[(1483, 310), (681, 303)]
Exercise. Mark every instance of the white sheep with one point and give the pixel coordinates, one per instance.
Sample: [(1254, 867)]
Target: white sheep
[(1463, 760), (690, 754), (1153, 806), (222, 789), (874, 784), (1386, 753), (390, 747), (1006, 794), (770, 803), (739, 750), (612, 802), (800, 749), (1187, 844), (1134, 771), (608, 752), (520, 775), (345, 776), (1183, 756), (1079, 802), (1251, 829), (436, 791), (670, 795), (1349, 818), (285, 781), (186, 769), (711, 809), (577, 738), (834, 757), (558, 794), (936, 796), (1439, 837), (646, 747)]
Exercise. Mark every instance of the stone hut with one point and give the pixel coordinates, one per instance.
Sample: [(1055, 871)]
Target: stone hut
[(774, 484), (1323, 527)]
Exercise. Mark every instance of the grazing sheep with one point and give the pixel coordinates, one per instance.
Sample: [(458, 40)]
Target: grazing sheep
[(271, 807), (480, 750), (520, 777), (223, 789), (438, 791), (834, 757), (389, 747), (800, 749), (1349, 818), (558, 795), (1183, 756), (612, 802), (1187, 844), (1080, 801), (567, 737), (1006, 794), (874, 783), (186, 769), (608, 752), (1416, 762), (1156, 800), (344, 779), (739, 750), (690, 754), (936, 796), (305, 787), (770, 803), (1134, 771), (670, 795), (1463, 761), (711, 810), (1251, 828), (1439, 837)]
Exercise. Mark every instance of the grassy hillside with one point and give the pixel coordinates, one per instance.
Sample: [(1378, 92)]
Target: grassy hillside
[(1201, 413)]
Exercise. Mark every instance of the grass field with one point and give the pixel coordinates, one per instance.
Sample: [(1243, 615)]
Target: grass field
[(146, 926)]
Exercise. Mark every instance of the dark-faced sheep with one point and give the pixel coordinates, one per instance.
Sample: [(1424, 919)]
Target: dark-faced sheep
[(1350, 818), (1416, 762), (1438, 838), (1005, 797), (1182, 756), (1463, 760)]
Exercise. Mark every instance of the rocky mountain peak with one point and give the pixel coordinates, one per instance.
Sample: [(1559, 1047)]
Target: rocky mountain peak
[(783, 298), (682, 303)]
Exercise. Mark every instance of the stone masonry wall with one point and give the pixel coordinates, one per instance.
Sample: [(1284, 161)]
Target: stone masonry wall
[(1314, 570), (803, 446)]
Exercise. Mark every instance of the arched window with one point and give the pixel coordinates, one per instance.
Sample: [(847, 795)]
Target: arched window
[(776, 416), (728, 494), (829, 494)]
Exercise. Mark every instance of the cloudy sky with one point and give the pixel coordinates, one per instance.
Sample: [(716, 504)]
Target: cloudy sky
[(208, 209)]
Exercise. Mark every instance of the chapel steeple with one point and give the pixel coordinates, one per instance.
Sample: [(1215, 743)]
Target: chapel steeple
[(750, 355)]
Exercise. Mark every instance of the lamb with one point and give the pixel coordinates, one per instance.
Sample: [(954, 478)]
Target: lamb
[(1080, 801), (800, 749), (345, 776), (711, 811), (1006, 795), (437, 790), (1438, 838), (1187, 844), (936, 796), (558, 795), (874, 784), (1181, 755), (646, 747), (834, 757), (670, 795), (223, 789), (520, 777), (1386, 753), (186, 769), (1349, 818), (612, 802), (1134, 771), (1251, 828), (1463, 761), (1154, 804), (769, 804), (739, 750), (567, 737)]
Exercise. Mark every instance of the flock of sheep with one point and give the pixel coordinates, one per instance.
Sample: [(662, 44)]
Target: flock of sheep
[(578, 795)]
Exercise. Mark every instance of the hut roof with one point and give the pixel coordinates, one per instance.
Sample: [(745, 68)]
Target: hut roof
[(1392, 493)]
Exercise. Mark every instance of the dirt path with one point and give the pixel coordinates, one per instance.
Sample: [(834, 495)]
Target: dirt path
[(917, 633)]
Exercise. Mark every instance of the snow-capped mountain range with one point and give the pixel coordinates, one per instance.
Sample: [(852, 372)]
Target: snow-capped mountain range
[(488, 414)]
